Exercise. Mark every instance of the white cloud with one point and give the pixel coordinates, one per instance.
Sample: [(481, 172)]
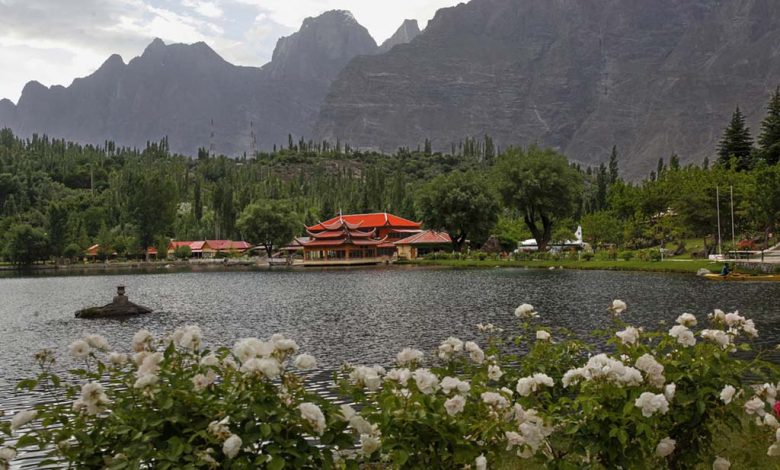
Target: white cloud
[(55, 41)]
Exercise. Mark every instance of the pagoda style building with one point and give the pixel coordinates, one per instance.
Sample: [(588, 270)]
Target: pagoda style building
[(356, 239)]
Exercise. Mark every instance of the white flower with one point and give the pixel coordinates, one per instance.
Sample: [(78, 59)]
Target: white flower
[(494, 372), (79, 349), (720, 337), (530, 384), (617, 307), (220, 429), (755, 406), (284, 345), (717, 316), (211, 360), (367, 377), (305, 362), (665, 447), (542, 335), (771, 421), (669, 391), (96, 341), (231, 446), (189, 337), (117, 359), (23, 417), (449, 347), (269, 367), (201, 381), (361, 425), (651, 403), (409, 356), (401, 376), (312, 413), (683, 334), (628, 336), (750, 329), (721, 464), (426, 381), (142, 340), (686, 319), (93, 399), (369, 444), (475, 352), (150, 364), (488, 328), (495, 400), (727, 394), (774, 450), (480, 463), (526, 311), (146, 380), (7, 454), (652, 368), (248, 348), (449, 384), (455, 405)]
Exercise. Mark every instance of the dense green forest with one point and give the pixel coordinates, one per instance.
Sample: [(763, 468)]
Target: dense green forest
[(57, 198)]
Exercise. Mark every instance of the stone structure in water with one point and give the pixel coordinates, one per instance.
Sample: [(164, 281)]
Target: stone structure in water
[(120, 307)]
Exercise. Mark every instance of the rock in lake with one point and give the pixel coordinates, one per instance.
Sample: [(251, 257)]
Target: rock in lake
[(120, 307)]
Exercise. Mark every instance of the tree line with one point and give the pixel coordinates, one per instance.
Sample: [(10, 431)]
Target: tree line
[(57, 198)]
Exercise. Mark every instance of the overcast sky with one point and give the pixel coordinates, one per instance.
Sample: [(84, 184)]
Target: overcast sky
[(55, 41)]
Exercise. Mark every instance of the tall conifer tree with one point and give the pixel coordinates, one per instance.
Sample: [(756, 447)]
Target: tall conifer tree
[(736, 142), (769, 140)]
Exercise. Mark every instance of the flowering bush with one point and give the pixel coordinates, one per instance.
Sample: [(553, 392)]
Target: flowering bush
[(654, 400)]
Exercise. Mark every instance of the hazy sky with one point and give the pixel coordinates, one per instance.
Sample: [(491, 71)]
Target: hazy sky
[(55, 41)]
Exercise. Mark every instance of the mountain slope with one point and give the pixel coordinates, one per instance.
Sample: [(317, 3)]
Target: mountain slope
[(177, 91), (651, 77), (404, 34)]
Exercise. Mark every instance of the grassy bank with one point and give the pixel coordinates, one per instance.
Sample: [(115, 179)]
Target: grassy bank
[(677, 266)]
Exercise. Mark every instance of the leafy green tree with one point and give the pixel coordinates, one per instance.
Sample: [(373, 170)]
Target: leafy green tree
[(510, 230), (269, 223), (769, 139), (183, 252), (72, 251), (161, 245), (765, 196), (736, 143), (541, 185), (152, 205), (105, 240), (602, 227), (26, 245), (461, 204), (613, 166)]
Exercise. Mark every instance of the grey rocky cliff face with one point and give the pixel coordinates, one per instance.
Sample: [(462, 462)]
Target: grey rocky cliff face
[(405, 33), (653, 78), (177, 90)]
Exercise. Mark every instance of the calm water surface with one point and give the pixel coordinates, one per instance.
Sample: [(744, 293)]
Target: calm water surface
[(355, 315)]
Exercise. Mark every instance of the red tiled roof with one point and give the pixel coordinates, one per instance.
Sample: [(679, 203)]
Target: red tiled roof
[(151, 251), (342, 242), (379, 219), (221, 245), (428, 237), (342, 234)]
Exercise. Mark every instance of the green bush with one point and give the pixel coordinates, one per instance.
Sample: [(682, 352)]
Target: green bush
[(659, 399), (588, 255), (626, 255)]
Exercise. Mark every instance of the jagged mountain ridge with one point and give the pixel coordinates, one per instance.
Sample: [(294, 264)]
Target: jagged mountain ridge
[(408, 30), (178, 90), (652, 78)]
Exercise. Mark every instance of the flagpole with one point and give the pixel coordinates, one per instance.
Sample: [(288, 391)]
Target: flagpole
[(717, 206), (733, 237)]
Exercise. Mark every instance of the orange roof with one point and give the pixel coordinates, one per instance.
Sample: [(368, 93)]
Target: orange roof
[(364, 221), (428, 237), (151, 250), (92, 250), (228, 245)]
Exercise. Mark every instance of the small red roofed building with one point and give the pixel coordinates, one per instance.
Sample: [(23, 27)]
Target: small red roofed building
[(356, 239), (429, 241), (209, 248)]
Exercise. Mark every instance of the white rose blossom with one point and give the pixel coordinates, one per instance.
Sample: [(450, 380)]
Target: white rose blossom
[(23, 417), (480, 463), (530, 384), (6, 455), (117, 359), (755, 406), (426, 381), (721, 464), (628, 336), (495, 400), (455, 405), (683, 334), (617, 307), (409, 356), (542, 335), (475, 352), (526, 311), (79, 349), (369, 444), (142, 341), (313, 415), (665, 447), (687, 320), (98, 342), (727, 394), (367, 377), (448, 384), (210, 360), (449, 347), (652, 403), (494, 372), (401, 376), (232, 446), (305, 362)]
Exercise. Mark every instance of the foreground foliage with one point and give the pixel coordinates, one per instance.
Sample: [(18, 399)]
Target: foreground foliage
[(534, 396)]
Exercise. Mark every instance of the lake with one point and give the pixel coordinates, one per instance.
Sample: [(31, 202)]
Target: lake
[(357, 315)]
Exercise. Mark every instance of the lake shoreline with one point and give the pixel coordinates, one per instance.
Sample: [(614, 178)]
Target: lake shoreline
[(669, 266)]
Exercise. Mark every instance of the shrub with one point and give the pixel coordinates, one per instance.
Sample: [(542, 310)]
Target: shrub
[(626, 255), (658, 400), (587, 256), (183, 252)]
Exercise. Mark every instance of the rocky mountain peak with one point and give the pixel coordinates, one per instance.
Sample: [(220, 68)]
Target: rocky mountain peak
[(321, 48), (408, 30)]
